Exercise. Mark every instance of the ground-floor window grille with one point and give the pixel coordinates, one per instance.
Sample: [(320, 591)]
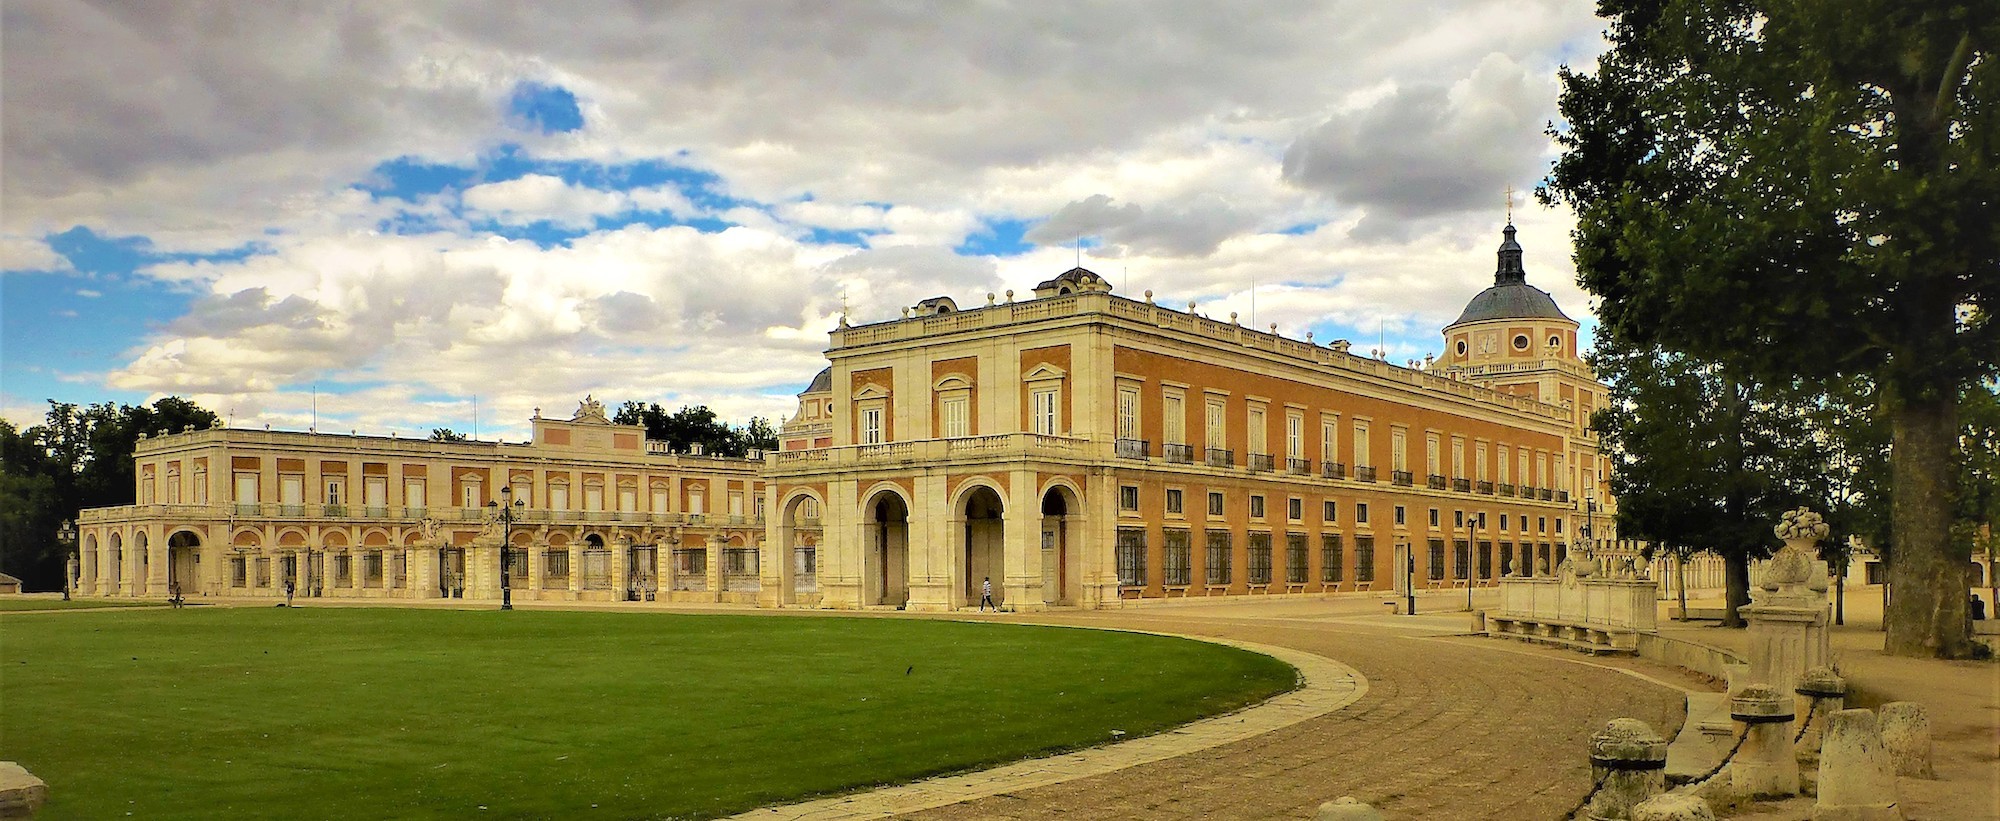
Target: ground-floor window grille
[(597, 568), (264, 571), (1296, 569), (1330, 558), (805, 569), (372, 568), (1177, 559), (239, 573), (517, 564), (739, 568), (1131, 557), (1364, 559), (1260, 558), (1562, 554), (691, 569), (1485, 560), (341, 569), (1462, 553), (1525, 565), (1437, 560), (555, 564), (1218, 556)]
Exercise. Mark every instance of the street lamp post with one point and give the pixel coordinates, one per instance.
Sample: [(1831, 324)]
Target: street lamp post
[(1589, 525), (67, 534), (504, 512)]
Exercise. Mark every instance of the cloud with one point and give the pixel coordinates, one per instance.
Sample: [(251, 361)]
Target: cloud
[(28, 254), (1189, 229)]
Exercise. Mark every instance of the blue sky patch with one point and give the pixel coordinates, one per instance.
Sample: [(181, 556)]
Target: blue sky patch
[(998, 238), (550, 109)]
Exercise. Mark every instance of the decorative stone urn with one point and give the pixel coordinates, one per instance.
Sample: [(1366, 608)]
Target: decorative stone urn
[(1788, 577)]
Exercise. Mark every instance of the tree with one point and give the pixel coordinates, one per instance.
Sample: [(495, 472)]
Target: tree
[(697, 425), (77, 458), (1799, 189), (1702, 459), (448, 435)]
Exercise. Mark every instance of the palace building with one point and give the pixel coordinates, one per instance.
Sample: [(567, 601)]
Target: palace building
[(599, 513), (1085, 449), (1076, 449)]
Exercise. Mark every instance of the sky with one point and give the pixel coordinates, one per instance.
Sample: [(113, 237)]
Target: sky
[(390, 217)]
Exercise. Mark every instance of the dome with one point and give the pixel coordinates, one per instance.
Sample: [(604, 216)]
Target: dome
[(821, 383), (1511, 297)]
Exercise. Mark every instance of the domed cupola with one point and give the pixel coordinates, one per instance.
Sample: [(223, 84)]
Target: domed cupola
[(1511, 297)]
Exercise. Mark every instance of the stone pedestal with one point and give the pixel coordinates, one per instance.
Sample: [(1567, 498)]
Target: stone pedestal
[(424, 571), (1765, 765), (1906, 733), (1821, 693), (1673, 806), (1856, 782), (1629, 762)]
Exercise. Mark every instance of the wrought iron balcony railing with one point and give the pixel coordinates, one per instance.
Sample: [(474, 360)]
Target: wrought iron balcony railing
[(1401, 478), (1301, 467), (1435, 481), (1333, 470), (1364, 473), (1219, 457), (1260, 462), (1177, 454), (1134, 448)]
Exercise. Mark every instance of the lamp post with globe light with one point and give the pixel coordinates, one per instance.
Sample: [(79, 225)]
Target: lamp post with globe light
[(67, 534), (505, 512)]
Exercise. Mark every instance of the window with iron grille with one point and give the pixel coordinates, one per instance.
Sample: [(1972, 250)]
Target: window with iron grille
[(1296, 565), (239, 572), (1260, 558), (556, 563), (1485, 560), (1131, 557), (1364, 558), (1176, 558), (1330, 557), (1218, 556), (1463, 551), (1437, 560)]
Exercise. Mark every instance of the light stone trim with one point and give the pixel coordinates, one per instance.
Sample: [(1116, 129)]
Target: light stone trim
[(1327, 686)]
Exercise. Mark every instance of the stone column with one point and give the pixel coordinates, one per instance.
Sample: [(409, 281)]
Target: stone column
[(621, 566), (157, 566), (1629, 762), (357, 569), (1821, 693), (87, 581), (1765, 765), (1856, 780), (575, 567), (715, 546), (424, 571), (538, 566), (1906, 733)]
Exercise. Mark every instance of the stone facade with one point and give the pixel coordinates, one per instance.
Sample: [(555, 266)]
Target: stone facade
[(600, 514)]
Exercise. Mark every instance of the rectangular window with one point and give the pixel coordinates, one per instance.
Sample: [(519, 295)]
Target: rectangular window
[(1215, 503), (1131, 557), (1437, 560), (246, 488), (1479, 460), (1173, 418), (1398, 450), (555, 564), (468, 495), (1504, 474), (239, 572), (413, 493), (1542, 524), (1174, 502), (1431, 455), (1329, 439), (1522, 461), (1128, 498), (1046, 420), (1256, 506), (957, 417), (1457, 458), (1295, 436), (1402, 516), (200, 486), (1503, 521), (871, 426), (1364, 558), (1481, 524), (1295, 509), (628, 500), (1296, 561), (1330, 557), (1362, 456), (1463, 561), (1458, 518), (1218, 556), (1216, 435), (1260, 432), (1361, 513), (1330, 511), (1485, 560), (559, 497), (1178, 559), (659, 500), (1128, 413), (1435, 519), (1260, 558)]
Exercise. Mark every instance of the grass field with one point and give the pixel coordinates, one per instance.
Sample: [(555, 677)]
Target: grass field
[(376, 713), (38, 603)]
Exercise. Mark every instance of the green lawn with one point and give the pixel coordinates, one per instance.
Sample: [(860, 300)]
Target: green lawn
[(17, 603), (370, 713)]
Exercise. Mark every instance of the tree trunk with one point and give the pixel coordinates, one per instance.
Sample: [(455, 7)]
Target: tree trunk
[(1927, 615), (1681, 577), (1736, 586)]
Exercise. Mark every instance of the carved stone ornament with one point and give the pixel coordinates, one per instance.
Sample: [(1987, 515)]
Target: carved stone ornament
[(590, 410)]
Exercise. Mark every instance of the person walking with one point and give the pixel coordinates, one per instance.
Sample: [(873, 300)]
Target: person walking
[(986, 595)]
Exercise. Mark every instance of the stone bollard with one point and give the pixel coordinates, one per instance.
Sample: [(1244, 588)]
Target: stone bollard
[(1764, 766), (1906, 733), (1856, 780), (1822, 692), (1346, 808), (1479, 621), (1673, 806), (21, 793), (1628, 761)]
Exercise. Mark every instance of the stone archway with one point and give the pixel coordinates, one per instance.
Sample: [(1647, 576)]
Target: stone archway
[(796, 552), (982, 530), (1061, 543), (886, 546), (184, 563)]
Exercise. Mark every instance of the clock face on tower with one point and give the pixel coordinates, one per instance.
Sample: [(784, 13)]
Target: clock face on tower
[(1487, 342)]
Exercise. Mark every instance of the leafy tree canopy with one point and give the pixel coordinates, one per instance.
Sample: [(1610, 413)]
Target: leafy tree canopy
[(697, 425)]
